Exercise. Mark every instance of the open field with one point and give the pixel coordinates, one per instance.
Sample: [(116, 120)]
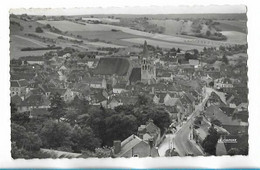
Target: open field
[(226, 25), (138, 35), (172, 27), (235, 37), (106, 20), (71, 26), (18, 42), (164, 44)]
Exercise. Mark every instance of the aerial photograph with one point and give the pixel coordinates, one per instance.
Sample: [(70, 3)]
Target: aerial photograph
[(108, 84)]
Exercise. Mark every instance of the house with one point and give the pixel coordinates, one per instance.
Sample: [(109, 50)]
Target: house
[(150, 131), (188, 101), (98, 98), (200, 133), (128, 100), (16, 99), (163, 75), (242, 116), (96, 82), (18, 87), (167, 99), (33, 101), (133, 146), (82, 90), (242, 107), (194, 62), (223, 83), (169, 61), (113, 102), (216, 98), (214, 112), (34, 60), (119, 88)]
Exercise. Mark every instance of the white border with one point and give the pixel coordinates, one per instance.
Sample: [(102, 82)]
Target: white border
[(252, 161)]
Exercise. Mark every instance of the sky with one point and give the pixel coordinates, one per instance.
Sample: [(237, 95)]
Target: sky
[(183, 9)]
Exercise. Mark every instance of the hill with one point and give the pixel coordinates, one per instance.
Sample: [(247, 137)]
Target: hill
[(110, 66)]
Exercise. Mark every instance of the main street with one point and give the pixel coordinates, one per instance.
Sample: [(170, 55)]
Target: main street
[(182, 141)]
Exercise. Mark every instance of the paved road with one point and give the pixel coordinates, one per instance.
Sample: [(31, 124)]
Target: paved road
[(181, 142), (166, 144)]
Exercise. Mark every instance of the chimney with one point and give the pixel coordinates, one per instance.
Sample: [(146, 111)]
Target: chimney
[(117, 146)]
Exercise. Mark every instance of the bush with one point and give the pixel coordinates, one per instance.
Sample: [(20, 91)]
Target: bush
[(38, 30)]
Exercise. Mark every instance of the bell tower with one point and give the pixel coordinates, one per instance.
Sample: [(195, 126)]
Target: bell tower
[(148, 70)]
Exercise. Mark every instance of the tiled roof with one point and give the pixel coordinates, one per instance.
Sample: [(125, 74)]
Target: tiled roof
[(135, 75), (19, 83), (128, 144), (215, 112), (35, 100), (16, 99)]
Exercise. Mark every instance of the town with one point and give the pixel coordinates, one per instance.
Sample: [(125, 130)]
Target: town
[(76, 97)]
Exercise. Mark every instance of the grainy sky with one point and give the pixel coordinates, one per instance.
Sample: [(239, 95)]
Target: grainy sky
[(134, 10)]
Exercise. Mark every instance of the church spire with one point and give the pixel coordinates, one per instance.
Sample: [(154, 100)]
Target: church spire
[(145, 49)]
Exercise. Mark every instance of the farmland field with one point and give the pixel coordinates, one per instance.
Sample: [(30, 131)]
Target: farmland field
[(164, 44), (106, 20), (18, 42), (239, 26), (172, 27), (86, 30), (235, 37), (71, 26)]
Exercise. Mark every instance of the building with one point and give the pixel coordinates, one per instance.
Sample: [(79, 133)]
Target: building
[(150, 131), (18, 87), (148, 69), (96, 82), (133, 146)]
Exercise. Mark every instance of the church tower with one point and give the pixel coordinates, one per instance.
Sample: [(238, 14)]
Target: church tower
[(148, 69)]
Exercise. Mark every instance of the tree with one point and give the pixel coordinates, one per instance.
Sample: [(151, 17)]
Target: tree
[(210, 142), (233, 151), (103, 152), (225, 59), (38, 30), (197, 121), (208, 33), (143, 100), (216, 122), (55, 134), (119, 127), (160, 117), (84, 139), (57, 107), (211, 84), (126, 109), (23, 139), (96, 120)]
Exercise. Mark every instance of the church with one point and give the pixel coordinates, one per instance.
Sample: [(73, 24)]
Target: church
[(148, 69), (147, 72)]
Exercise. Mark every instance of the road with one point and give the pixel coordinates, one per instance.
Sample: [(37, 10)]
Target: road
[(166, 144), (182, 142)]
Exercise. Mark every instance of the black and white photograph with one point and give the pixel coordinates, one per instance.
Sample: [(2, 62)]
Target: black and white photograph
[(119, 83)]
